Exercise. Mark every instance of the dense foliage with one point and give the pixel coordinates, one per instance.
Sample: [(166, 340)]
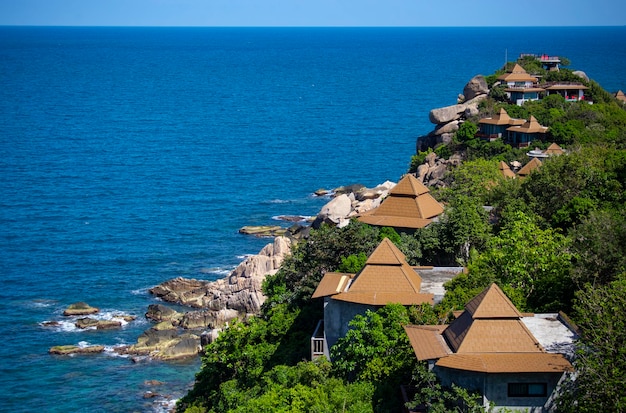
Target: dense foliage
[(555, 240)]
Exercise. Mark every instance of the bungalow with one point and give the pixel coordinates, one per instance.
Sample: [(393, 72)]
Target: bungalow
[(506, 170), (529, 167), (409, 206), (619, 95), (522, 135), (520, 86), (571, 91), (386, 278), (495, 127), (552, 150), (492, 349)]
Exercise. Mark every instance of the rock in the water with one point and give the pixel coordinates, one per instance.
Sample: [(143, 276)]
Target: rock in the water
[(80, 308), (263, 230), (160, 312), (476, 86), (67, 350), (87, 322)]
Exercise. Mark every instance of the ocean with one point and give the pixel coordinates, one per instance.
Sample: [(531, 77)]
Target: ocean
[(130, 156)]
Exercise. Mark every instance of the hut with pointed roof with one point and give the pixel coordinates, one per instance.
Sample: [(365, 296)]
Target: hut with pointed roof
[(386, 278), (494, 127), (520, 86), (409, 206), (532, 165), (619, 95), (521, 135), (490, 349), (505, 170)]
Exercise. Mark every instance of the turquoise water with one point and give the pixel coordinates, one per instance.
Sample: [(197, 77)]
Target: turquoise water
[(129, 156)]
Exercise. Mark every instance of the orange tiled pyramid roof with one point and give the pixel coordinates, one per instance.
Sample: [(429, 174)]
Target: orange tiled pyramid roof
[(409, 205), (489, 336), (385, 278)]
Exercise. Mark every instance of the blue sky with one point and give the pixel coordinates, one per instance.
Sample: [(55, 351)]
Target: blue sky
[(313, 12)]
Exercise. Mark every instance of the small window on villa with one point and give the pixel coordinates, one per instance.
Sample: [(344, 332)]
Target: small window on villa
[(528, 389)]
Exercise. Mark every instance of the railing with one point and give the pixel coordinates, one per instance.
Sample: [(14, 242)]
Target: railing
[(318, 342)]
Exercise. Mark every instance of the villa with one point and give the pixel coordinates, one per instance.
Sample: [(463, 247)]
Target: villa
[(386, 278), (495, 127), (520, 86), (408, 207), (522, 135), (515, 361)]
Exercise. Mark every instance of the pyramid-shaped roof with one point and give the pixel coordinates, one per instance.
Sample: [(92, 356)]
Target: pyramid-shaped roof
[(530, 126), (506, 170), (533, 164), (620, 96), (409, 205), (492, 303), (501, 118), (517, 74), (554, 149), (385, 278), (489, 336)]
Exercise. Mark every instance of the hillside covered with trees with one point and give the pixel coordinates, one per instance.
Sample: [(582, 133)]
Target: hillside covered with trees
[(553, 241)]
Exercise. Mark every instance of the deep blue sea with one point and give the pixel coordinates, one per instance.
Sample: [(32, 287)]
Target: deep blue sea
[(129, 156)]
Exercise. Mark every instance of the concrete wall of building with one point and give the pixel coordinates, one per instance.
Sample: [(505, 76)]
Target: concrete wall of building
[(337, 315), (494, 388)]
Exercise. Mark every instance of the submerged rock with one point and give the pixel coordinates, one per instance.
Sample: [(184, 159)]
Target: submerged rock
[(71, 349)]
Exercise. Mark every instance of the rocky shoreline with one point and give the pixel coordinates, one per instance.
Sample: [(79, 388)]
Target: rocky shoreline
[(213, 305)]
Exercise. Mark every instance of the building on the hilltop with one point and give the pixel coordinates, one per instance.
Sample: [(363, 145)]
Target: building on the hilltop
[(494, 127), (521, 135), (619, 95), (409, 206), (514, 361), (520, 86), (550, 63), (386, 278), (506, 170), (571, 91), (527, 169)]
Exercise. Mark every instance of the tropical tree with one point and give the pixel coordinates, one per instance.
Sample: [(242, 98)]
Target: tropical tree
[(599, 384)]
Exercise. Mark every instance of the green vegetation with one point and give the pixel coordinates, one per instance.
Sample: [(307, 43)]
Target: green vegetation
[(555, 240)]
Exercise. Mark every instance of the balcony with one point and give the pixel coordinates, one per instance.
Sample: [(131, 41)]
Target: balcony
[(318, 342)]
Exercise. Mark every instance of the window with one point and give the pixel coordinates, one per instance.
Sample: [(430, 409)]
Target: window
[(528, 389)]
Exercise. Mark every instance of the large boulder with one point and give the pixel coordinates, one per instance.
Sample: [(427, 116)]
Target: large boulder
[(449, 127), (336, 210), (160, 312), (446, 114), (476, 86)]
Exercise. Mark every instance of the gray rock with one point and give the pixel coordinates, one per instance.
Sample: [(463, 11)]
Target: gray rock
[(422, 170), (431, 159), (446, 114), (581, 75), (476, 86), (160, 312), (336, 209), (437, 172), (449, 127)]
